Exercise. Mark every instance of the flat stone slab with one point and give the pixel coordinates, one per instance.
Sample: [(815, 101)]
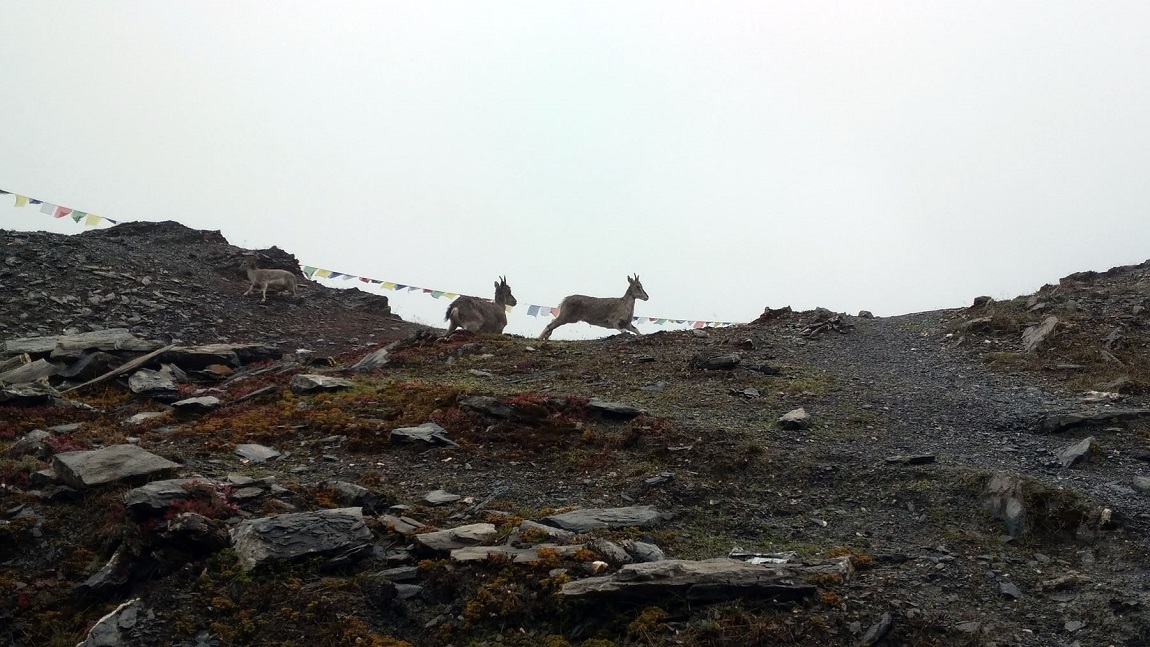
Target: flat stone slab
[(256, 453), (517, 555), (158, 495), (29, 372), (145, 416), (1077, 452), (428, 432), (201, 404), (1056, 422), (113, 630), (109, 339), (85, 469), (460, 537), (795, 419), (440, 497), (588, 519), (310, 383), (28, 394), (297, 535), (1034, 335), (710, 579), (146, 380), (614, 409)]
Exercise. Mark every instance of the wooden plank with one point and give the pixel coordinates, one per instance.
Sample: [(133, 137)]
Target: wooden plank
[(136, 363)]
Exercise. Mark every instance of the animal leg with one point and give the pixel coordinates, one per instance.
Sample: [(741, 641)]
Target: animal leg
[(265, 293), (249, 289)]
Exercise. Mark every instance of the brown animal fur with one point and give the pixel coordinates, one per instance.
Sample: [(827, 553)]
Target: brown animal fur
[(479, 316), (281, 280), (597, 311)]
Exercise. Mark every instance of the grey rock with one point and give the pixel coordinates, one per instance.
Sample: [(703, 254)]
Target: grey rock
[(29, 372), (917, 459), (84, 469), (299, 534), (148, 382), (256, 453), (372, 361), (865, 314), (74, 345), (717, 362), (1009, 590), (310, 383), (614, 409), (877, 631), (32, 394), (795, 419), (707, 580), (194, 533), (145, 416), (32, 444), (489, 405), (441, 497), (643, 551), (408, 591), (1077, 452), (555, 534), (1056, 422), (1034, 335), (157, 495), (1141, 484), (428, 432), (460, 537), (113, 629), (970, 627), (201, 404), (351, 494), (611, 551), (1003, 496), (517, 555), (588, 519)]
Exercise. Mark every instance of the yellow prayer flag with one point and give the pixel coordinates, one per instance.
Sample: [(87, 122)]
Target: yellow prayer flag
[(21, 201), (450, 295), (323, 274), (91, 220), (387, 285)]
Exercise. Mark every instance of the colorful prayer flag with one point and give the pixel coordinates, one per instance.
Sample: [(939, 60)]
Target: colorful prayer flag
[(533, 311), (21, 201), (308, 270), (61, 212), (91, 220), (323, 274), (77, 216), (388, 285), (47, 209), (435, 294), (554, 312)]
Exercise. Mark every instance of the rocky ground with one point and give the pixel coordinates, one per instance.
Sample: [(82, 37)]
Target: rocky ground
[(941, 485)]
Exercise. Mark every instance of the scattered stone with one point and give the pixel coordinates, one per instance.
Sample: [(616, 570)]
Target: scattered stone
[(113, 630), (971, 627), (716, 363), (613, 553), (157, 495), (614, 409), (34, 443), (27, 395), (771, 314), (1033, 336), (555, 534), (299, 534), (917, 459), (373, 360), (865, 314), (30, 372), (194, 534), (517, 555), (795, 419), (489, 405), (84, 469), (440, 497), (877, 631), (1003, 496), (654, 387), (310, 383), (74, 345), (112, 576), (1056, 422), (351, 494), (402, 525), (156, 384), (442, 541), (256, 453), (642, 551), (1009, 590), (428, 432), (1073, 625), (589, 519), (145, 416), (202, 404), (1141, 484), (707, 580), (1077, 452)]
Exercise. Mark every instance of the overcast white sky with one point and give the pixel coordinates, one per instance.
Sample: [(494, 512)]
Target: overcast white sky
[(889, 156)]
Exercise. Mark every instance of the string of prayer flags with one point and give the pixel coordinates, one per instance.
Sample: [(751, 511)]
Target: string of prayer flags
[(312, 272)]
